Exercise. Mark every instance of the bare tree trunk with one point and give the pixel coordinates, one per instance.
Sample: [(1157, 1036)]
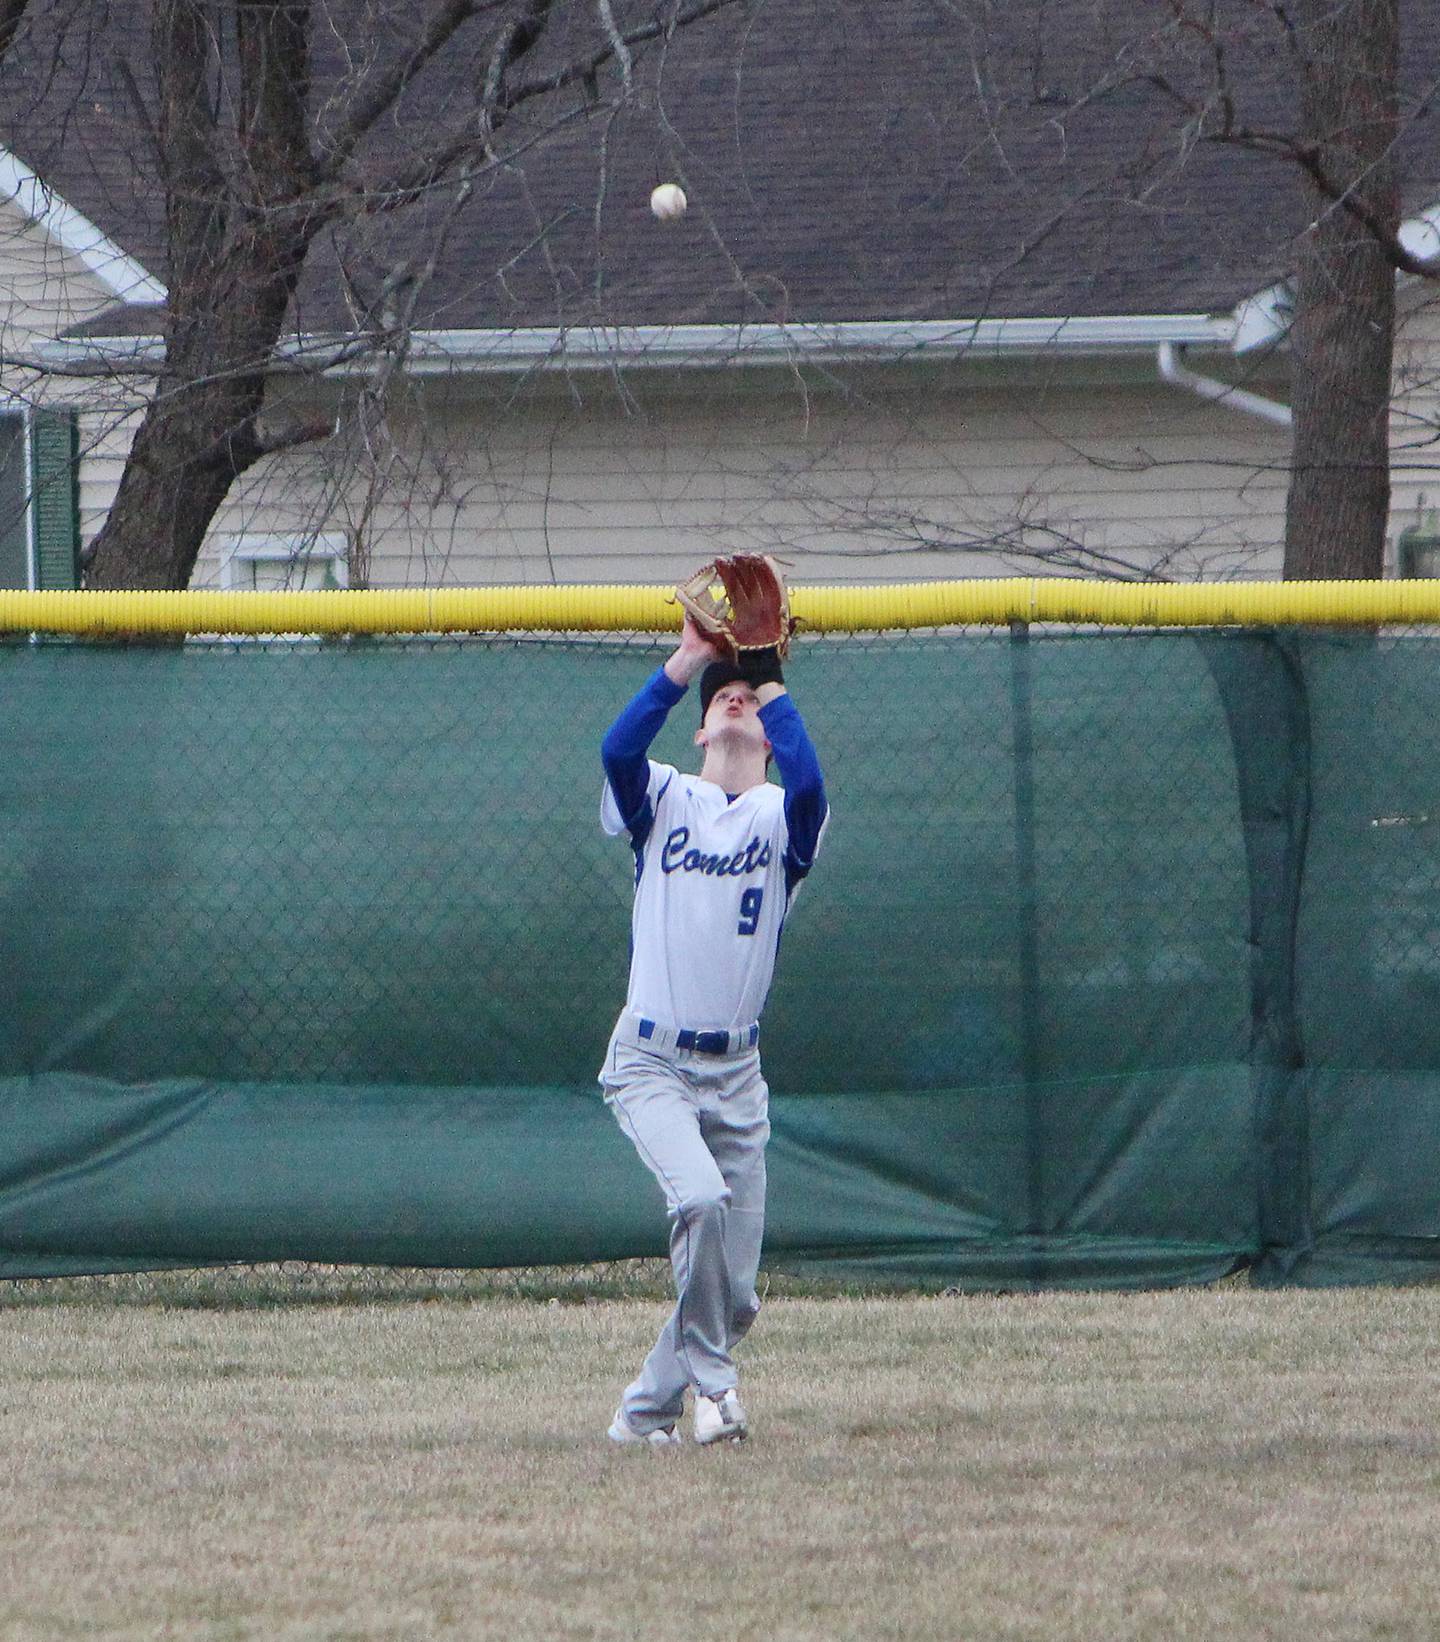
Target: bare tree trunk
[(1343, 335), (238, 242), (178, 474)]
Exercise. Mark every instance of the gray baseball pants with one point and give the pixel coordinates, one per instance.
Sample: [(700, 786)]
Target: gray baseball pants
[(699, 1123)]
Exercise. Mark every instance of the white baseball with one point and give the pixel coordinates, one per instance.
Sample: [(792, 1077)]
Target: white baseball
[(668, 201)]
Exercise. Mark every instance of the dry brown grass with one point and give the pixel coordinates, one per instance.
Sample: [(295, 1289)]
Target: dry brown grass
[(1205, 1465)]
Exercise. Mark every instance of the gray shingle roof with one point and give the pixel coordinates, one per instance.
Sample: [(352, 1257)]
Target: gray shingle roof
[(845, 161)]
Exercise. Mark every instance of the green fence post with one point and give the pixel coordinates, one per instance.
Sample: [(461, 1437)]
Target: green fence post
[(1022, 717)]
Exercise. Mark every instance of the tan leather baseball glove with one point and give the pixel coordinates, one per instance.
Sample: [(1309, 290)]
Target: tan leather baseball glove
[(742, 601)]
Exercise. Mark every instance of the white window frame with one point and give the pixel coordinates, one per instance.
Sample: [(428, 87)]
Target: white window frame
[(240, 553)]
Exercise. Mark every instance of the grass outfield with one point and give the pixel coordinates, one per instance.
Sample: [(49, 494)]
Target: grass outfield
[(1205, 1464)]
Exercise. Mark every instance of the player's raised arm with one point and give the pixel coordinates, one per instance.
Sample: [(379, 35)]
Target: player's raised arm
[(627, 742), (806, 806)]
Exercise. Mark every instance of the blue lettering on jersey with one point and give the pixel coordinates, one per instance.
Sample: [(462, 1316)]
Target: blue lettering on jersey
[(677, 856)]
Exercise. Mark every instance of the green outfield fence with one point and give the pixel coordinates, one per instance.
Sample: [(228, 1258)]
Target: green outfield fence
[(1120, 968)]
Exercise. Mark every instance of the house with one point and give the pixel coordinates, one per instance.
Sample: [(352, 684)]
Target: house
[(946, 302), (58, 270)]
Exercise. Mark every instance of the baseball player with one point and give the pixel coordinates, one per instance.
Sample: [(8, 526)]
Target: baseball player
[(719, 858)]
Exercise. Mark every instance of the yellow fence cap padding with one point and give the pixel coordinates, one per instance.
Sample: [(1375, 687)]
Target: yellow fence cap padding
[(612, 608)]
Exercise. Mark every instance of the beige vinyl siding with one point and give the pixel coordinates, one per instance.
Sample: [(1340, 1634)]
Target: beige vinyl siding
[(105, 435), (46, 290), (1415, 413), (43, 289), (883, 483)]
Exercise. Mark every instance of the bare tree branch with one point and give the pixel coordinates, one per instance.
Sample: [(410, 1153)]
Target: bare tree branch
[(519, 36), (617, 40), (498, 100), (270, 441), (385, 90), (12, 14), (1308, 156), (586, 67)]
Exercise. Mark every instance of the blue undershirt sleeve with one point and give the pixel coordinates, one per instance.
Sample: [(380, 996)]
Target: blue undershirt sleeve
[(805, 803), (627, 743)]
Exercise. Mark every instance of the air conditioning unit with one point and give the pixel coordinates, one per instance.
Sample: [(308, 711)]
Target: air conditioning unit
[(272, 561), (1417, 548)]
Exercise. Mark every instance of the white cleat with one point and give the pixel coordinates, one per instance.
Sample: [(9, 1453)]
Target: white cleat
[(720, 1419), (623, 1434)]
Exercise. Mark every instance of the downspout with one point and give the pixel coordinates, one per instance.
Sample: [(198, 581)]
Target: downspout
[(1169, 356)]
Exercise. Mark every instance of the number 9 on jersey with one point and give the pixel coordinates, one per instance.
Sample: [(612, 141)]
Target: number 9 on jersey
[(750, 910)]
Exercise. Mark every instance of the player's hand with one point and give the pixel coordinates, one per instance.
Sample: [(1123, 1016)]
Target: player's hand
[(694, 653)]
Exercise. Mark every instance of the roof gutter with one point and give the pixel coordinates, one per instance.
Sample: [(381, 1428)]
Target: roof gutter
[(878, 342), (689, 347)]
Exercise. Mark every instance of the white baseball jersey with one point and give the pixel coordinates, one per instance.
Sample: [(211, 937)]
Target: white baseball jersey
[(711, 893)]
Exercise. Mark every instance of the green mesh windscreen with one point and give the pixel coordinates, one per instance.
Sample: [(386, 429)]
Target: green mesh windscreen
[(1120, 965)]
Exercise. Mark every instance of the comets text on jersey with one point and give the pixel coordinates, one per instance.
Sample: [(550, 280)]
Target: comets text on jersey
[(677, 856)]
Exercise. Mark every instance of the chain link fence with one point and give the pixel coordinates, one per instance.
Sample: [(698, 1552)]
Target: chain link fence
[(1120, 965)]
